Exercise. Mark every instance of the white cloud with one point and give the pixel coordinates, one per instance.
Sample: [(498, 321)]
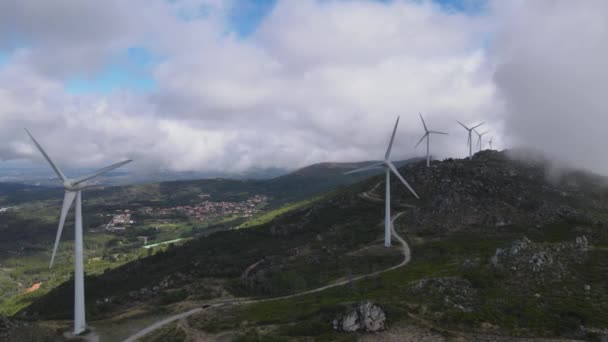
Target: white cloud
[(318, 81)]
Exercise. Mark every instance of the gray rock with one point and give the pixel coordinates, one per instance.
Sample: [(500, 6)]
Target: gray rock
[(366, 316), (519, 245), (582, 243), (494, 260), (539, 260)]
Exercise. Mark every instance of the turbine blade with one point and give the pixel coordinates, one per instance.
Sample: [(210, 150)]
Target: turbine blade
[(396, 172), (437, 132), (469, 140), (423, 123), (101, 171), (46, 156), (390, 144), (365, 168), (68, 199), (483, 123), (421, 139), (461, 124)]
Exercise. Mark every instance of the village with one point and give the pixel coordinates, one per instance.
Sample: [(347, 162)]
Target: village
[(120, 221), (206, 211), (209, 211)]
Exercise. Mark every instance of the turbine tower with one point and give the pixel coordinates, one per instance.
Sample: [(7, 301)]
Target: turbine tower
[(73, 189), (427, 135), (479, 136), (490, 141), (470, 142), (389, 167)]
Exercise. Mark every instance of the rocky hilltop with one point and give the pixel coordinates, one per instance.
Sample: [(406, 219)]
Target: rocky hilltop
[(493, 190)]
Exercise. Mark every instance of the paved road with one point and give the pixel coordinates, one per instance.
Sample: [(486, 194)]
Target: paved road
[(405, 249), (159, 324)]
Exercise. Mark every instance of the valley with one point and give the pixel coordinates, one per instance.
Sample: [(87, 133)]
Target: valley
[(124, 224)]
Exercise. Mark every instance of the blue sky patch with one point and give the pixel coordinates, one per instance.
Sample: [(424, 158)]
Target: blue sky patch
[(132, 70), (3, 58), (246, 16), (471, 7)]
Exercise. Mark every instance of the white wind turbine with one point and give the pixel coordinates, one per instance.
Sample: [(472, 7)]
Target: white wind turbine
[(479, 136), (427, 135), (388, 166), (470, 142), (491, 141), (73, 189)]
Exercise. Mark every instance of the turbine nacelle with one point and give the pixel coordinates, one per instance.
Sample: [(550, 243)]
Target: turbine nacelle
[(69, 185), (470, 130), (427, 136)]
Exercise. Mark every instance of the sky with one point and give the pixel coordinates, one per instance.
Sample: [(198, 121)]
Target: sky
[(227, 85)]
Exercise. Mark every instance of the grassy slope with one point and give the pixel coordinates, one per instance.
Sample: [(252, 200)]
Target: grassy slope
[(459, 242)]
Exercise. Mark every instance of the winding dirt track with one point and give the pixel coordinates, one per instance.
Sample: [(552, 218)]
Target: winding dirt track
[(405, 249)]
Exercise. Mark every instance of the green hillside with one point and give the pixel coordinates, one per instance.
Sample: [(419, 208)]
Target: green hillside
[(28, 226), (498, 249)]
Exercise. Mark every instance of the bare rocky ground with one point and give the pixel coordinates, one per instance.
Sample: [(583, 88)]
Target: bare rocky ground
[(415, 333), (18, 330)]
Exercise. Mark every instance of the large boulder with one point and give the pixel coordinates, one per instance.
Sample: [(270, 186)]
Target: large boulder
[(366, 316)]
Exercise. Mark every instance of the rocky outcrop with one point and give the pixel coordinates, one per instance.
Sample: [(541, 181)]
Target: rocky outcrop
[(366, 316), (547, 262), (495, 192)]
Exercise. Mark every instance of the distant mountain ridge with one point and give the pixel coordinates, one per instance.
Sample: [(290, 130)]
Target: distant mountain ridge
[(299, 184), (6, 187), (43, 176)]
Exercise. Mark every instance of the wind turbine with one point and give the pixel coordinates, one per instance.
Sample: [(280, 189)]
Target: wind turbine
[(73, 189), (470, 142), (479, 136), (490, 141), (427, 135), (389, 167)]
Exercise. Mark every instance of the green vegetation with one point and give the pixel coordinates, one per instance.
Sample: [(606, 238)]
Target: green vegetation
[(270, 215), (498, 302), (27, 233)]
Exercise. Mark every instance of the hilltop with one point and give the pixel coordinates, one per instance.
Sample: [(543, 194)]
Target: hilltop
[(499, 247)]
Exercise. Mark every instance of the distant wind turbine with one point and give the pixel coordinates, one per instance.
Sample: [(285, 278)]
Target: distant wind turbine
[(479, 136), (470, 142), (490, 141), (73, 189), (389, 166), (427, 135)]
